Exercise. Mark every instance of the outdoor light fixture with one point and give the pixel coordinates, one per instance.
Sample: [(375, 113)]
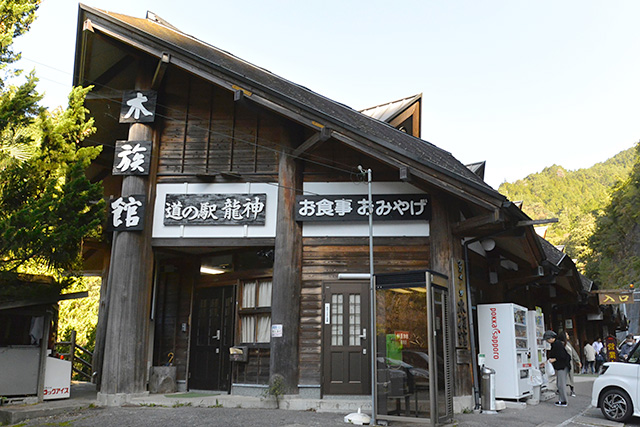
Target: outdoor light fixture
[(488, 244), (211, 270)]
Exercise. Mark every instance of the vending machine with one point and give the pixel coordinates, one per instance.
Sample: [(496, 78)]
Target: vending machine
[(503, 336), (538, 346)]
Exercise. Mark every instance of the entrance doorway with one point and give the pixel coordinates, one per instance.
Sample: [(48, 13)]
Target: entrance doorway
[(414, 361), (212, 335), (346, 339)]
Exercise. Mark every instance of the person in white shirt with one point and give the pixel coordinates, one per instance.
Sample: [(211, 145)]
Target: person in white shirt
[(589, 358), (598, 346)]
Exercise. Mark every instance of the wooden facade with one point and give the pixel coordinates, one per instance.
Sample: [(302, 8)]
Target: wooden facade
[(224, 127)]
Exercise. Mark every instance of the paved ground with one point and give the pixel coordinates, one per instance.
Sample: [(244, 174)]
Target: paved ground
[(579, 413)]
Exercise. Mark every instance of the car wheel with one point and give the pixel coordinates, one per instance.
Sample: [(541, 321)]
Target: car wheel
[(616, 405)]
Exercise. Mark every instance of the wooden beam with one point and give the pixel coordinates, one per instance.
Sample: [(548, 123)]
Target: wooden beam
[(42, 301), (405, 174), (536, 222), (312, 141), (213, 242), (467, 226), (160, 70)]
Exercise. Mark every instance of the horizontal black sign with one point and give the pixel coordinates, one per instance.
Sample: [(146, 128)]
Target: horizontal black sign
[(388, 207), (215, 209)]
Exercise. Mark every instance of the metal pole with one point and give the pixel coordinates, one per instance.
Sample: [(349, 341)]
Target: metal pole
[(372, 303)]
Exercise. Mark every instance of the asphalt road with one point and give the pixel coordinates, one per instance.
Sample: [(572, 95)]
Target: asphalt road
[(578, 413)]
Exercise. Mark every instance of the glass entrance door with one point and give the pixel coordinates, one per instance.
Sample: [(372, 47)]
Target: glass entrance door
[(413, 362)]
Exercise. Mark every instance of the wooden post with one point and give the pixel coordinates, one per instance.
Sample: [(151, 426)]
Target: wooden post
[(46, 330), (72, 348), (101, 327), (124, 364), (287, 272), (445, 248)]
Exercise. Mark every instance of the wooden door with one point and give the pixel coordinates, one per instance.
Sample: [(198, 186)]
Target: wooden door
[(346, 339), (211, 337)]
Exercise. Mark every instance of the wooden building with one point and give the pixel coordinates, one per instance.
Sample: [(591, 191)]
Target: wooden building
[(242, 173)]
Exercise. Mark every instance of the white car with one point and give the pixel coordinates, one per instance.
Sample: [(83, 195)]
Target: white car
[(616, 391)]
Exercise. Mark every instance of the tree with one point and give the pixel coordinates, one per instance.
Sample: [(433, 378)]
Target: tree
[(614, 258), (47, 204)]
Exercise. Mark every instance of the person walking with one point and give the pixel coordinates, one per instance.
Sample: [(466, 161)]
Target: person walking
[(561, 361), (575, 362), (589, 358), (598, 347)]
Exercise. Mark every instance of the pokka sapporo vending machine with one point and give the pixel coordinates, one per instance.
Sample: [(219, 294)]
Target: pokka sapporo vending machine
[(537, 344), (504, 342)]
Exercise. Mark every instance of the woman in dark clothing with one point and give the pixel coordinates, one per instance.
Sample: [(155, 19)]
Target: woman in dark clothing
[(561, 361)]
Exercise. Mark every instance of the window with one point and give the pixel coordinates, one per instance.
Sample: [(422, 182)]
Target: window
[(255, 311)]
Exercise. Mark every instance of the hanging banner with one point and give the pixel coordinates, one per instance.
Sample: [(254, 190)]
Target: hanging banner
[(138, 106), (391, 207)]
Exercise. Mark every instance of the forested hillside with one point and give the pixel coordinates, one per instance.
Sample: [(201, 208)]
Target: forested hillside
[(614, 256), (574, 197)]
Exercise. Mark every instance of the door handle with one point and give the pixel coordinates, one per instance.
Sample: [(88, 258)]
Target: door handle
[(217, 335), (363, 336)]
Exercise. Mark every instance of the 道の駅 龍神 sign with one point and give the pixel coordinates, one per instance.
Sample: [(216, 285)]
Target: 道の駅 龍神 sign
[(388, 207), (215, 209)]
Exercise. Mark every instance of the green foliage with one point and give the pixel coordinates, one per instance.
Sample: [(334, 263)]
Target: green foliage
[(47, 204), (276, 389), (81, 315), (614, 260), (16, 16), (574, 197)]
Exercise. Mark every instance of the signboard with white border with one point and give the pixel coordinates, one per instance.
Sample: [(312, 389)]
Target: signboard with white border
[(265, 228), (419, 228)]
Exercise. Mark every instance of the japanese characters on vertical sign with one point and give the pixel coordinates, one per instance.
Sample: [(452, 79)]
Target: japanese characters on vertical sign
[(138, 106), (462, 312), (127, 213), (611, 349), (132, 158), (394, 207), (215, 209)]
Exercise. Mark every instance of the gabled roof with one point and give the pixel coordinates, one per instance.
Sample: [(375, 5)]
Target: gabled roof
[(390, 110), (156, 37), (478, 168)]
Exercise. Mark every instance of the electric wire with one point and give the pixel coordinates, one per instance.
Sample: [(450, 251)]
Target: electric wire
[(314, 159)]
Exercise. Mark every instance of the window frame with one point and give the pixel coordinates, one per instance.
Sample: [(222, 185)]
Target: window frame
[(255, 311)]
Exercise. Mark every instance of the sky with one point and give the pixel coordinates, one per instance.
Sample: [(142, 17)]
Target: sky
[(519, 84)]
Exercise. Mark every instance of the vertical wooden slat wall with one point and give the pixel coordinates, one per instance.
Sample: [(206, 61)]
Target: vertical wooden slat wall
[(205, 132)]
